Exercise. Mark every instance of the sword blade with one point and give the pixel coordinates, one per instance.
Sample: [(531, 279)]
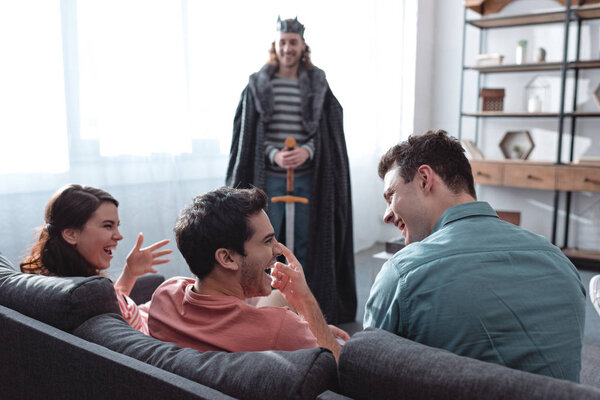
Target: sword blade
[(289, 225)]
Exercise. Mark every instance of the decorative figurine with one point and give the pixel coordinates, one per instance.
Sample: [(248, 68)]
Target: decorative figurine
[(541, 55)]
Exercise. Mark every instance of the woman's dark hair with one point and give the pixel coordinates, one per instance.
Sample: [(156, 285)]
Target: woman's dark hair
[(441, 152), (217, 219), (70, 207)]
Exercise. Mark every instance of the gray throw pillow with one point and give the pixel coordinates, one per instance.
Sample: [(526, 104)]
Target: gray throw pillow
[(302, 374), (64, 303)]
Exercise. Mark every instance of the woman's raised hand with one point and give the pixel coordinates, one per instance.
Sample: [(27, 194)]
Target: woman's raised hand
[(142, 261)]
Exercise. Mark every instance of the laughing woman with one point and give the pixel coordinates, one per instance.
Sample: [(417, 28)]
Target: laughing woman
[(80, 235)]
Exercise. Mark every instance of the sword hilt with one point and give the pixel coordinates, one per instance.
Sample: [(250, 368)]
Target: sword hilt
[(289, 199), (290, 143)]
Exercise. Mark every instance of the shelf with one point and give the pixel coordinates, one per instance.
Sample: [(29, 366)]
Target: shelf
[(584, 114), (546, 66), (583, 258), (503, 114), (588, 11), (543, 17), (486, 69), (584, 64)]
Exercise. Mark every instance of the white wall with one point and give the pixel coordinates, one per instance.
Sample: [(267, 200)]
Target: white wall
[(443, 86)]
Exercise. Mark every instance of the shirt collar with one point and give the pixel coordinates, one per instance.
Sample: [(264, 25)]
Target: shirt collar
[(470, 209)]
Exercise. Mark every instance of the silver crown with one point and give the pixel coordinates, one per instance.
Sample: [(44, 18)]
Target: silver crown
[(290, 26)]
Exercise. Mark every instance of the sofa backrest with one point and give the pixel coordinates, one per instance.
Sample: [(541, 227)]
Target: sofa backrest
[(64, 303), (301, 374), (376, 364), (39, 361)]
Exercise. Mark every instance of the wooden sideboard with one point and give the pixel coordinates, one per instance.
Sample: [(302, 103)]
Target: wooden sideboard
[(544, 176), (537, 175)]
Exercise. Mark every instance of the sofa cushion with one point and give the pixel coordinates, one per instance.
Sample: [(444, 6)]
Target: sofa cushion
[(376, 364), (144, 287), (301, 374), (64, 303)]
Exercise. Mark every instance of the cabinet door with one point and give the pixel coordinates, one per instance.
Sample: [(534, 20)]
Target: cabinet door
[(486, 173), (576, 179), (530, 176)]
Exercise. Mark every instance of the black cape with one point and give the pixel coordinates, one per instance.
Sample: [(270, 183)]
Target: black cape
[(329, 268)]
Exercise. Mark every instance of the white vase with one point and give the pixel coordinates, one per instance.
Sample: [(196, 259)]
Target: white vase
[(534, 104), (520, 55)]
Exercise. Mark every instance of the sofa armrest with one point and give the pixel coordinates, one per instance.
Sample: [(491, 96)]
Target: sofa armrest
[(43, 362), (376, 364), (590, 364), (64, 303), (144, 287)]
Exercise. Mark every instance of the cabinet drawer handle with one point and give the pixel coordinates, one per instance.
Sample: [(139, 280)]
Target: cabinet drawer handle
[(533, 177), (590, 180), (479, 173)]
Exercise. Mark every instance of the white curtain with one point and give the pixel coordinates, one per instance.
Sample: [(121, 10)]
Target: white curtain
[(138, 97)]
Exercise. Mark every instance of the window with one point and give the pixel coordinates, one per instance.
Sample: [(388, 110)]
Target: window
[(133, 78), (33, 119)]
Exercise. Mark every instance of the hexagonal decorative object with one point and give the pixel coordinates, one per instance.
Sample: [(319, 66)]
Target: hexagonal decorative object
[(517, 145)]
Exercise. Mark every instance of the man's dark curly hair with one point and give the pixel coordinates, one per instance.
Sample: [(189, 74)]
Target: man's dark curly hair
[(214, 220), (441, 152)]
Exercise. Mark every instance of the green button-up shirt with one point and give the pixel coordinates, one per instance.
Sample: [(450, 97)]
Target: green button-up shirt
[(484, 288)]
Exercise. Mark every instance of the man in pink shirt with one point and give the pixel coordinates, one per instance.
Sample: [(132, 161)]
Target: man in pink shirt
[(228, 242)]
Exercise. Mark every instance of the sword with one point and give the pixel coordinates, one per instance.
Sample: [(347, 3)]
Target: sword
[(290, 200)]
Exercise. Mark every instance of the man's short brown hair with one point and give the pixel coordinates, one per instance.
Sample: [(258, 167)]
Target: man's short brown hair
[(441, 152)]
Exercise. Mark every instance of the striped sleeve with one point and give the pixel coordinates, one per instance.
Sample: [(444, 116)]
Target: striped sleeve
[(136, 316)]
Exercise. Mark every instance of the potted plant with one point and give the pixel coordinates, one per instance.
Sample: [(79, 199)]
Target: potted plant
[(521, 51), (517, 152)]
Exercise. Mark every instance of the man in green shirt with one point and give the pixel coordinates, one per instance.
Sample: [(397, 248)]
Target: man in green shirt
[(466, 281)]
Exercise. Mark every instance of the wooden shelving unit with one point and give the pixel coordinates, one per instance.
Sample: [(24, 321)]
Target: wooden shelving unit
[(558, 176)]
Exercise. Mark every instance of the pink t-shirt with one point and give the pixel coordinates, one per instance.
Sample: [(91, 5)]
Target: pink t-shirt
[(178, 314)]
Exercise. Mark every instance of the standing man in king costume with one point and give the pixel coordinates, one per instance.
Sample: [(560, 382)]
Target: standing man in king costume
[(290, 97)]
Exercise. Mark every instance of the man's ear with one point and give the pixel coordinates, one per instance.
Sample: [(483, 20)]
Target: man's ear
[(70, 235), (227, 259), (425, 175)]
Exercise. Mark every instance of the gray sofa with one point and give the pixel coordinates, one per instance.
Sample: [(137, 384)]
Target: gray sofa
[(64, 338)]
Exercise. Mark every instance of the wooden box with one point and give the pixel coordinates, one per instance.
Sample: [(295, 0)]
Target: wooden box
[(492, 99), (486, 7)]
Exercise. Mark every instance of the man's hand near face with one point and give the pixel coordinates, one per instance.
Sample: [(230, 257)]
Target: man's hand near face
[(290, 281)]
